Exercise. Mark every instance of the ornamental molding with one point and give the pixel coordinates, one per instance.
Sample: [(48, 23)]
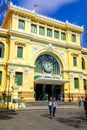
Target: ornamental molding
[(62, 54), (27, 19), (26, 71), (73, 54), (50, 47), (12, 70), (20, 44), (15, 16), (29, 42), (1, 40), (69, 49), (81, 76), (12, 38), (84, 56), (35, 48), (71, 76)]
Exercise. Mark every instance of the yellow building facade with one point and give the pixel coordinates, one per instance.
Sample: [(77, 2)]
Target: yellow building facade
[(40, 55)]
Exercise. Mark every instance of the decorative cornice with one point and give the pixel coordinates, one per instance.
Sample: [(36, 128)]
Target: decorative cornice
[(32, 12), (43, 41), (77, 72), (20, 65)]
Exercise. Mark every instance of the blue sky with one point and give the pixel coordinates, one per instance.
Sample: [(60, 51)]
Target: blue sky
[(75, 11)]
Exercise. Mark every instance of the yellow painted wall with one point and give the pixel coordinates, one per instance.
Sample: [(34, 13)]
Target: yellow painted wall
[(34, 45)]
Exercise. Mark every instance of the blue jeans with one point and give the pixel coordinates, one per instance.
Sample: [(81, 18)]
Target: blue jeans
[(51, 110), (54, 110)]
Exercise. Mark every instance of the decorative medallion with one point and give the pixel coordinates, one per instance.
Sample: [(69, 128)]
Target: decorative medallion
[(35, 48), (50, 47), (63, 55)]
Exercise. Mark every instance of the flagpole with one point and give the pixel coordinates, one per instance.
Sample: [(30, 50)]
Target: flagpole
[(35, 6)]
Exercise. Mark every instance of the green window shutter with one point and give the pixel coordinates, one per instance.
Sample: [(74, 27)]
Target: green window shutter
[(18, 78), (1, 50), (20, 52), (33, 28), (49, 32), (84, 83), (73, 38), (63, 36), (83, 63), (41, 30), (74, 61), (76, 83), (0, 77), (56, 34), (21, 24)]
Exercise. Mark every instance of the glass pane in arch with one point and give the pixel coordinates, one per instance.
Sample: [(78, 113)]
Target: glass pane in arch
[(47, 63)]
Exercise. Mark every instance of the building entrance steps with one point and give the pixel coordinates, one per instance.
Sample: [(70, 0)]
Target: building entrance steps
[(38, 105), (45, 103)]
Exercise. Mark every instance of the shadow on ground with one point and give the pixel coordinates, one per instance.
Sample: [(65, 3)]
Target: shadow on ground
[(8, 114), (78, 121)]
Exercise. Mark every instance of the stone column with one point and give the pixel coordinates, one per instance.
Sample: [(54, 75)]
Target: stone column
[(52, 90), (44, 92)]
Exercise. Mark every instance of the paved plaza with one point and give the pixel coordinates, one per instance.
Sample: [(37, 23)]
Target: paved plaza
[(66, 119)]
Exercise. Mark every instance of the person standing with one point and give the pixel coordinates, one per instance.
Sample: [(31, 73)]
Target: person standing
[(54, 106), (85, 106), (79, 101), (50, 104), (82, 100)]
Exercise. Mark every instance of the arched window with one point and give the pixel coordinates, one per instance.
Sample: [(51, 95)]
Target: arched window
[(48, 64), (1, 50), (83, 63)]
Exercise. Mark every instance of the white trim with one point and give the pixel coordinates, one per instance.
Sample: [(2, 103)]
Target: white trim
[(51, 81)]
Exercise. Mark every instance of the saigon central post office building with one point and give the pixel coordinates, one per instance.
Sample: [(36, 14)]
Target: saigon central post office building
[(40, 55)]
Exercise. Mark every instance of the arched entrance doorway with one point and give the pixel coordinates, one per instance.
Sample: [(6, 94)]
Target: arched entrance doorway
[(48, 81), (46, 65)]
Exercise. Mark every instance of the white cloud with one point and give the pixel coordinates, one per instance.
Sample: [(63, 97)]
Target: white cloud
[(45, 6)]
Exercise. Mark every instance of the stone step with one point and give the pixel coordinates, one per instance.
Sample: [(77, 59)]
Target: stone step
[(42, 103)]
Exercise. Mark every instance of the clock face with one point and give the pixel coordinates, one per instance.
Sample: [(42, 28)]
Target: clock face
[(48, 66)]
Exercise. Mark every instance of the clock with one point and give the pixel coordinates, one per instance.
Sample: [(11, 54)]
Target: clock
[(48, 66)]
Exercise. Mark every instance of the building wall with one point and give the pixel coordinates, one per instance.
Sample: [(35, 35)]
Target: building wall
[(34, 45)]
